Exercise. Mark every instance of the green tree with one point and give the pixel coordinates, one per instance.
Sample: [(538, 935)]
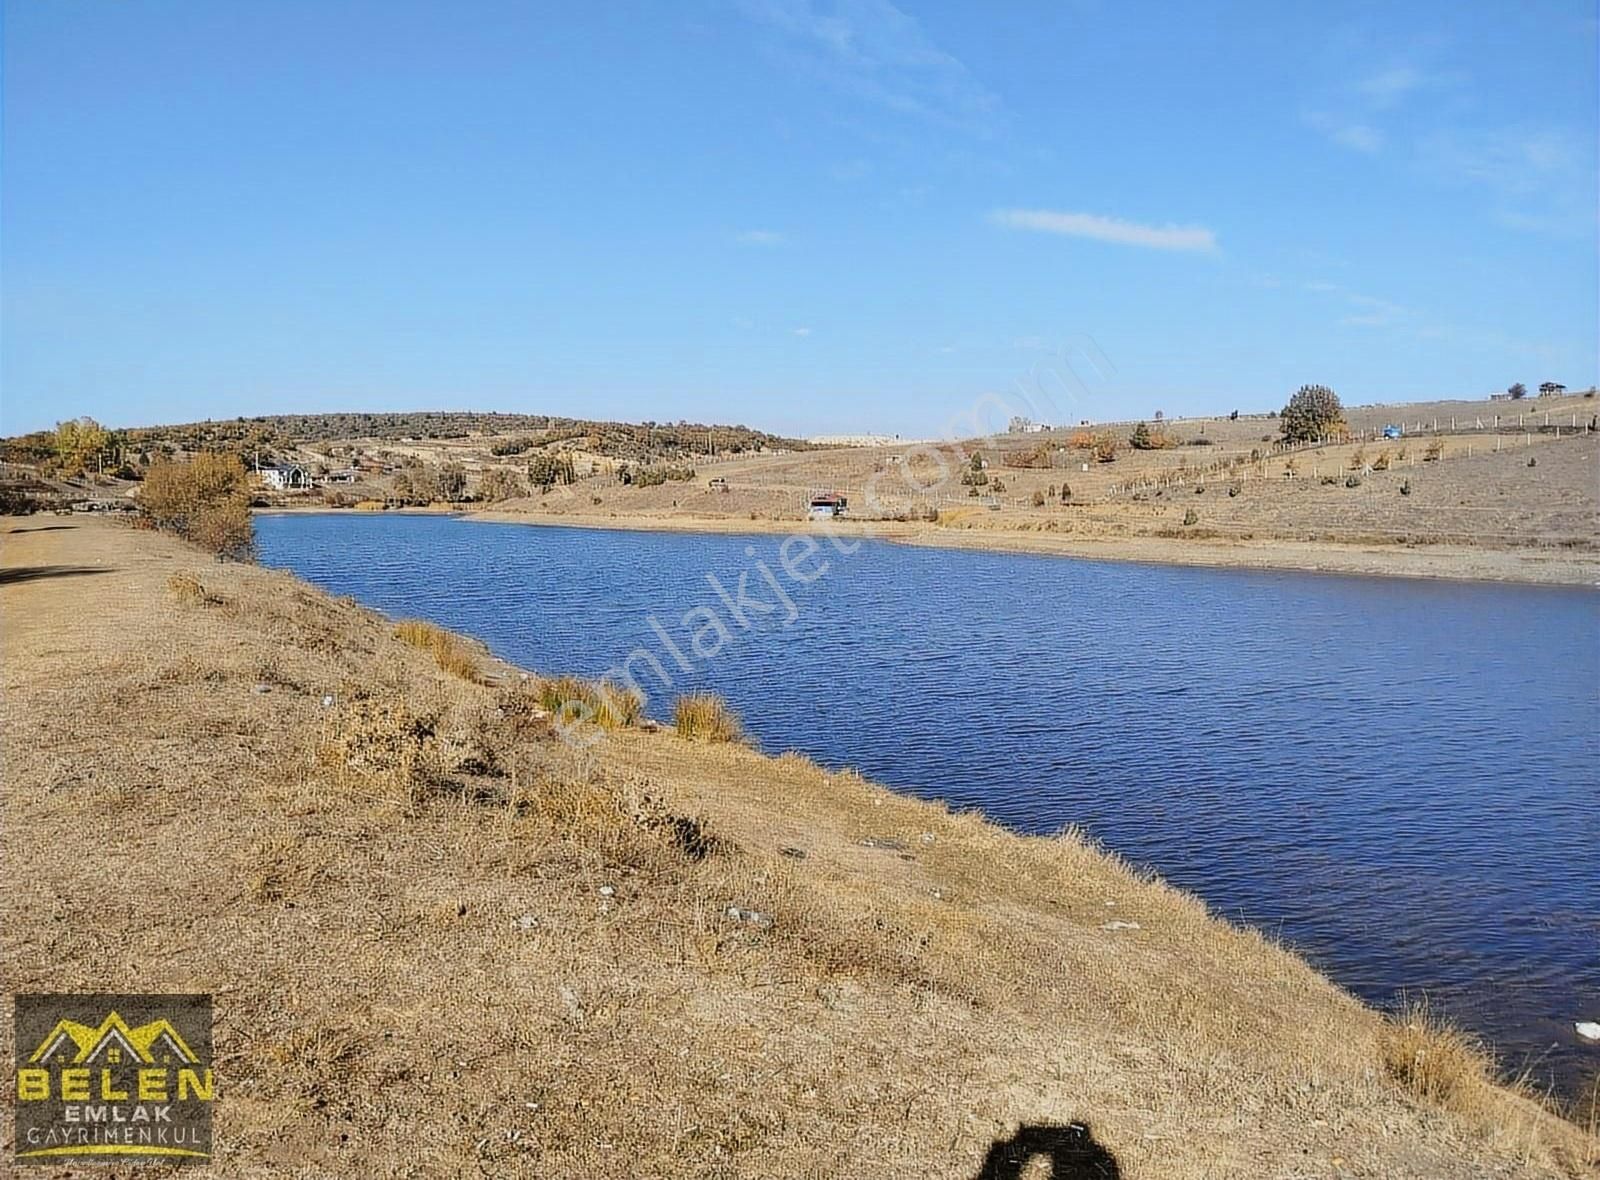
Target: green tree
[(1518, 391), (1139, 440), (1313, 412)]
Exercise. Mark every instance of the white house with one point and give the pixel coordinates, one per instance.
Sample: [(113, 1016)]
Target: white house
[(282, 478)]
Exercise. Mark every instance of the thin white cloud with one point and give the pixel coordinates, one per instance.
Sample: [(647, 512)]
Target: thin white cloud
[(874, 51), (1351, 114), (1371, 312), (1387, 88), (800, 331), (1357, 136), (759, 237), (1360, 137), (1539, 177), (1514, 161), (1108, 229)]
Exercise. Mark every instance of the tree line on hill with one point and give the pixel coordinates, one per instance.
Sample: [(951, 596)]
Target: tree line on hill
[(625, 440)]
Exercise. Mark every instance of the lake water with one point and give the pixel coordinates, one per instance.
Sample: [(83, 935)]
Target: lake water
[(1399, 777)]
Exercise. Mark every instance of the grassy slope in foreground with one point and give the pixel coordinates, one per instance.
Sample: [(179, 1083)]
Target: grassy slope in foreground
[(478, 952)]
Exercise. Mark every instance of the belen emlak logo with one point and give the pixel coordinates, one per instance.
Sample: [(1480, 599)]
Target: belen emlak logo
[(106, 1077)]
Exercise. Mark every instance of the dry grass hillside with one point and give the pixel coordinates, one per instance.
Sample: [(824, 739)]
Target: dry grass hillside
[(1477, 486), (443, 942), (1464, 493)]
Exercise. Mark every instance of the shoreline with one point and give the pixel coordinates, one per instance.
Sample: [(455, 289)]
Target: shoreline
[(937, 937), (1456, 563)]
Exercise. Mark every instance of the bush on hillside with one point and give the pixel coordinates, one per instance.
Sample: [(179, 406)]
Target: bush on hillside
[(1313, 412), (1145, 439), (205, 501), (499, 484)]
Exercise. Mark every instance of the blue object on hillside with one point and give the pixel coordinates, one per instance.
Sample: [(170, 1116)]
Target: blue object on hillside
[(1392, 432)]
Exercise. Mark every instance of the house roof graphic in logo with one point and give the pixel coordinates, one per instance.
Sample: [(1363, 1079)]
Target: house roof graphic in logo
[(113, 1042)]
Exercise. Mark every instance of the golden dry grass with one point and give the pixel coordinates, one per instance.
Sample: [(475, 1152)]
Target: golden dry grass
[(1438, 1064), (443, 942), (190, 590), (452, 653), (705, 717), (583, 702)]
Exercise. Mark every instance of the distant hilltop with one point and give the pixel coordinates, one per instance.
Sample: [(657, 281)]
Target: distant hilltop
[(860, 440)]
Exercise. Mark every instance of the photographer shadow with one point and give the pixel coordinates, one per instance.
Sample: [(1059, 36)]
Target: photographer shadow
[(1070, 1150)]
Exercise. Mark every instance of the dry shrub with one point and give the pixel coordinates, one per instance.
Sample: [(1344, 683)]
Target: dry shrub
[(225, 528), (704, 716), (452, 653), (381, 744), (597, 817), (205, 501), (191, 591), (1436, 1064)]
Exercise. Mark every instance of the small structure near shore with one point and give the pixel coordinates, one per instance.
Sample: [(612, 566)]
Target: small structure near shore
[(826, 505), (283, 477)]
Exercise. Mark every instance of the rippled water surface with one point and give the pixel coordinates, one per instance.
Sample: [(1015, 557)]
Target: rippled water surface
[(1398, 777)]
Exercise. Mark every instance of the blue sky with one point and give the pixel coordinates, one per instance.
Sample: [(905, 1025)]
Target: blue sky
[(804, 217)]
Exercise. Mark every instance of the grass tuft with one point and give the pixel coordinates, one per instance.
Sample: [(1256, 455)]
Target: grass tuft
[(573, 700), (450, 651), (1437, 1064), (706, 717)]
